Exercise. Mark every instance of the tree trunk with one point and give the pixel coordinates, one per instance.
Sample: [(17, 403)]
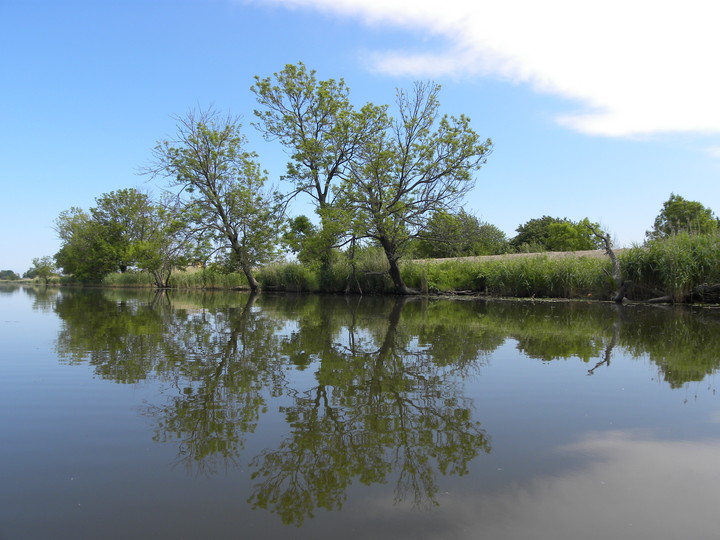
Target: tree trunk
[(161, 278), (394, 271), (252, 282), (621, 286), (245, 266)]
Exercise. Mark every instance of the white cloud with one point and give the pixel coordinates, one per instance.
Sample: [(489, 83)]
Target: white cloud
[(638, 66)]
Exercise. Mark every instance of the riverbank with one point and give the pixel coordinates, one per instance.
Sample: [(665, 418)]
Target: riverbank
[(682, 268)]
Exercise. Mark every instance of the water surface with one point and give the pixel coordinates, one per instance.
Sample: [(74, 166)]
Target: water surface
[(223, 415)]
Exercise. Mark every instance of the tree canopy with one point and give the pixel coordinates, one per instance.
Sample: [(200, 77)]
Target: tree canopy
[(680, 215), (125, 229), (556, 234), (42, 268), (419, 164), (316, 122), (458, 234), (8, 275)]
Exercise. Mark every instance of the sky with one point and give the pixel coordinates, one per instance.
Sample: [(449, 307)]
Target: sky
[(597, 110)]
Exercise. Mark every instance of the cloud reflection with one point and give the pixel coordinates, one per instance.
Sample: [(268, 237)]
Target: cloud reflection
[(631, 487)]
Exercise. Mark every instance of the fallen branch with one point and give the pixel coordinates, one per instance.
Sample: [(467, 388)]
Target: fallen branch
[(621, 286), (698, 293)]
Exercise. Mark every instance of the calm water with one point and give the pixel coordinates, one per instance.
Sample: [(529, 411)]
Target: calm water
[(135, 415)]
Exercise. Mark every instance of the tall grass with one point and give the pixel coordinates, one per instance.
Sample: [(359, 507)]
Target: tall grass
[(366, 273), (454, 275), (543, 276), (289, 276), (540, 276), (180, 279), (673, 266), (131, 278), (207, 278)]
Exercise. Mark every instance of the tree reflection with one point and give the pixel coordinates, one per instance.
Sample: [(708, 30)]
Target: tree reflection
[(683, 342), (224, 363), (218, 363), (384, 406), (44, 297), (121, 338), (386, 402)]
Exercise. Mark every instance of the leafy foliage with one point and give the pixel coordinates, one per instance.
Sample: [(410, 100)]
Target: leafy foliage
[(8, 275), (680, 215), (417, 165), (458, 235), (316, 122), (42, 268), (555, 234), (222, 187), (125, 229), (89, 251)]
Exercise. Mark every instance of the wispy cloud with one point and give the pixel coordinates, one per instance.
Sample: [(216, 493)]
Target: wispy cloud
[(638, 66)]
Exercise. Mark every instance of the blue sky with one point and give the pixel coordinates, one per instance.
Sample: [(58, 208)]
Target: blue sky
[(596, 110)]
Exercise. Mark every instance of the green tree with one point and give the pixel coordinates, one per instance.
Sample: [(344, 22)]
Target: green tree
[(88, 250), (302, 239), (43, 268), (556, 234), (154, 237), (123, 215), (679, 214), (419, 165), (315, 121), (125, 229), (458, 235), (222, 187), (8, 275)]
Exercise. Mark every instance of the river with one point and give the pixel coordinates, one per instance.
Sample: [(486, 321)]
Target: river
[(134, 414)]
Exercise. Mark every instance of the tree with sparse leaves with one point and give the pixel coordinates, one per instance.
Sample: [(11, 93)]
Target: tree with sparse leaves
[(222, 187), (420, 164), (43, 268)]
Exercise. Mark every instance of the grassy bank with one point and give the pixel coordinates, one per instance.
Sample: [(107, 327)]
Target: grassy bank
[(674, 266)]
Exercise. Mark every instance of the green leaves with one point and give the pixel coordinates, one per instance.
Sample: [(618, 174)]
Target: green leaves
[(316, 122), (411, 170), (125, 229), (556, 234), (222, 188), (680, 215)]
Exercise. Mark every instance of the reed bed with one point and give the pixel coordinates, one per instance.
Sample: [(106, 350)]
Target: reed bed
[(537, 276), (673, 266)]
